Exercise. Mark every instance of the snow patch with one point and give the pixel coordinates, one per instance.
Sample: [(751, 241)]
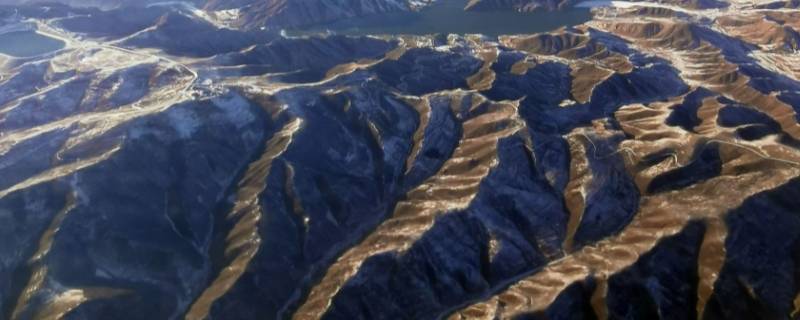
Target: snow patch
[(236, 109), (184, 121)]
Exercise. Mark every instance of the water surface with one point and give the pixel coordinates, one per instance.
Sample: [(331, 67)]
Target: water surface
[(27, 44), (448, 16)]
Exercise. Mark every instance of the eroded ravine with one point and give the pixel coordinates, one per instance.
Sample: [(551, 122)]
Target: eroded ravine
[(56, 304), (660, 215), (60, 171), (38, 270), (452, 188), (653, 222), (243, 241), (576, 193), (711, 260)]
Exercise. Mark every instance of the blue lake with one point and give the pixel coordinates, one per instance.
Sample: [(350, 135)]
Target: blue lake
[(448, 16), (27, 44)]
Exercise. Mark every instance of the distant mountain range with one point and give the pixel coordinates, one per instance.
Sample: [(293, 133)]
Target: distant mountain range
[(276, 14), (291, 13), (105, 4)]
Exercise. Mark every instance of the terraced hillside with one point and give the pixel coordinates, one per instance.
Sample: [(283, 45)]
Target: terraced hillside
[(177, 163)]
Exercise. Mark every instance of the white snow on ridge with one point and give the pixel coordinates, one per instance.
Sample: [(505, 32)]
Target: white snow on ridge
[(634, 4)]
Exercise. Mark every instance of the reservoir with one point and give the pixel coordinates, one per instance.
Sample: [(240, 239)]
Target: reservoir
[(448, 16), (27, 44)]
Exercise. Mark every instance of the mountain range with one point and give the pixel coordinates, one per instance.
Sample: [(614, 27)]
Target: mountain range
[(189, 161)]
